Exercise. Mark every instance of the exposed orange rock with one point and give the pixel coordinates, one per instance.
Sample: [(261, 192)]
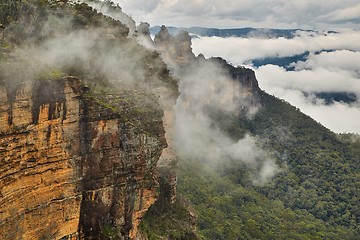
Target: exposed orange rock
[(39, 196), (142, 204), (68, 165)]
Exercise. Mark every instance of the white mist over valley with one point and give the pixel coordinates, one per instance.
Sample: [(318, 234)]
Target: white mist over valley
[(321, 61), (330, 66)]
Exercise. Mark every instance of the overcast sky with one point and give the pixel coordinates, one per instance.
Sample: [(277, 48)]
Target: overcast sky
[(320, 14)]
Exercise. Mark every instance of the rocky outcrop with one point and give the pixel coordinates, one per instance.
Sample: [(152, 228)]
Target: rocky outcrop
[(246, 91), (245, 76), (167, 164), (71, 166), (177, 53), (240, 91), (176, 50)]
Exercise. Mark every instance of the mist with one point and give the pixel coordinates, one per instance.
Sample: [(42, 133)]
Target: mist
[(95, 52), (331, 66), (205, 89), (113, 11)]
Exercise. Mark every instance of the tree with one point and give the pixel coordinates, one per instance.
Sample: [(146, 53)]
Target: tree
[(9, 11)]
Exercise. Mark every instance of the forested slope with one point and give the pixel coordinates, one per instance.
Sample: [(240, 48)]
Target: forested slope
[(314, 195)]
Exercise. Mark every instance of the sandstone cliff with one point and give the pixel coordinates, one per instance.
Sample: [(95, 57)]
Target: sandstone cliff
[(72, 167), (80, 164)]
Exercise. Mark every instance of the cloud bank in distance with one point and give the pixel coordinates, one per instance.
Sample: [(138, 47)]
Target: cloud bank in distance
[(331, 66)]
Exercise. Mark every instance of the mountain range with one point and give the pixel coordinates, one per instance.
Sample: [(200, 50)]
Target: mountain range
[(288, 62), (236, 32), (106, 133)]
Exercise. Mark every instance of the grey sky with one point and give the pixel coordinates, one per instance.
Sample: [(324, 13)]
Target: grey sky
[(321, 14)]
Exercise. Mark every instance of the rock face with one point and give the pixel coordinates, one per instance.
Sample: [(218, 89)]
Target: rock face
[(176, 50), (245, 76), (242, 89), (245, 85), (71, 167)]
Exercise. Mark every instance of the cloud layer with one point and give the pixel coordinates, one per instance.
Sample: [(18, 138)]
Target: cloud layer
[(336, 70), (206, 89), (235, 13), (331, 66), (240, 50)]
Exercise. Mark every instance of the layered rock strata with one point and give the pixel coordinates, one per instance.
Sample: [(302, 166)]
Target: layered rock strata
[(71, 167)]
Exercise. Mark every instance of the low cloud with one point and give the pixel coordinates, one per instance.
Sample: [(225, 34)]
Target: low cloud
[(308, 80), (206, 89), (275, 13), (340, 59), (242, 50), (332, 66), (338, 117)]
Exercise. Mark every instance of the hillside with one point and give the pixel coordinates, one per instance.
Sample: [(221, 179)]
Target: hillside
[(106, 134), (81, 130), (314, 194)]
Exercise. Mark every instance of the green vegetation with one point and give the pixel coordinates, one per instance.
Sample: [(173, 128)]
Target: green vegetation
[(227, 210), (51, 74), (314, 196), (120, 73), (109, 232), (165, 221), (324, 173), (9, 11), (135, 107)]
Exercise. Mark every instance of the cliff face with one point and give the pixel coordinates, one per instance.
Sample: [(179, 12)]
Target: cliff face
[(177, 53), (69, 166), (176, 50), (223, 87), (245, 76), (244, 84)]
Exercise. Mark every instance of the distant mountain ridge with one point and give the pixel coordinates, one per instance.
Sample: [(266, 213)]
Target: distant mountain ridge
[(267, 33), (235, 32)]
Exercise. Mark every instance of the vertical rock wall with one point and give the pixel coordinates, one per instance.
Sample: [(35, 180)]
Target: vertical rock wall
[(70, 167), (38, 180)]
